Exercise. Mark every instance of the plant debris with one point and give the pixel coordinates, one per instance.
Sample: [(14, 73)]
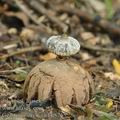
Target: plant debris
[(26, 25)]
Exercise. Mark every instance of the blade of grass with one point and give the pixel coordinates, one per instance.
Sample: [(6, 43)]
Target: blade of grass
[(109, 8)]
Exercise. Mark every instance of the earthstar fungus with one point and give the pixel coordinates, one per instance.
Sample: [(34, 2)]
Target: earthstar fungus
[(66, 82)]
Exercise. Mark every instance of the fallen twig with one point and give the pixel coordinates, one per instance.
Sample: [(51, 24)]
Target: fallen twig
[(21, 51), (7, 72), (100, 49), (42, 10), (26, 10), (103, 24)]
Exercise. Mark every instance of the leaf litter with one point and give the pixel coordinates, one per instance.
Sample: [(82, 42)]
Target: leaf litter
[(22, 34)]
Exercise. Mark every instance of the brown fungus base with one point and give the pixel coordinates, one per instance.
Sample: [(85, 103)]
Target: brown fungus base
[(64, 81)]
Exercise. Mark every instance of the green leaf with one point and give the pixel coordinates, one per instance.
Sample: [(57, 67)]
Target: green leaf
[(107, 117), (109, 8)]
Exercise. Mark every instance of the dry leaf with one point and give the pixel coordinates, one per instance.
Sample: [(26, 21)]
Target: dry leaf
[(59, 80), (48, 56), (85, 56), (12, 31), (118, 113), (98, 6), (27, 34), (116, 66), (87, 35), (89, 38), (112, 76), (109, 103)]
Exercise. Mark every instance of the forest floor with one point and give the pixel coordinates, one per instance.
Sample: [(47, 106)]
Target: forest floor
[(24, 28)]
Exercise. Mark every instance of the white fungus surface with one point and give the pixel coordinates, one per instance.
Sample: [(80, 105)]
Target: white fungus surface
[(63, 45)]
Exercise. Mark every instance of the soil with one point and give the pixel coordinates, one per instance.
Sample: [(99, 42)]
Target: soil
[(64, 87)]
